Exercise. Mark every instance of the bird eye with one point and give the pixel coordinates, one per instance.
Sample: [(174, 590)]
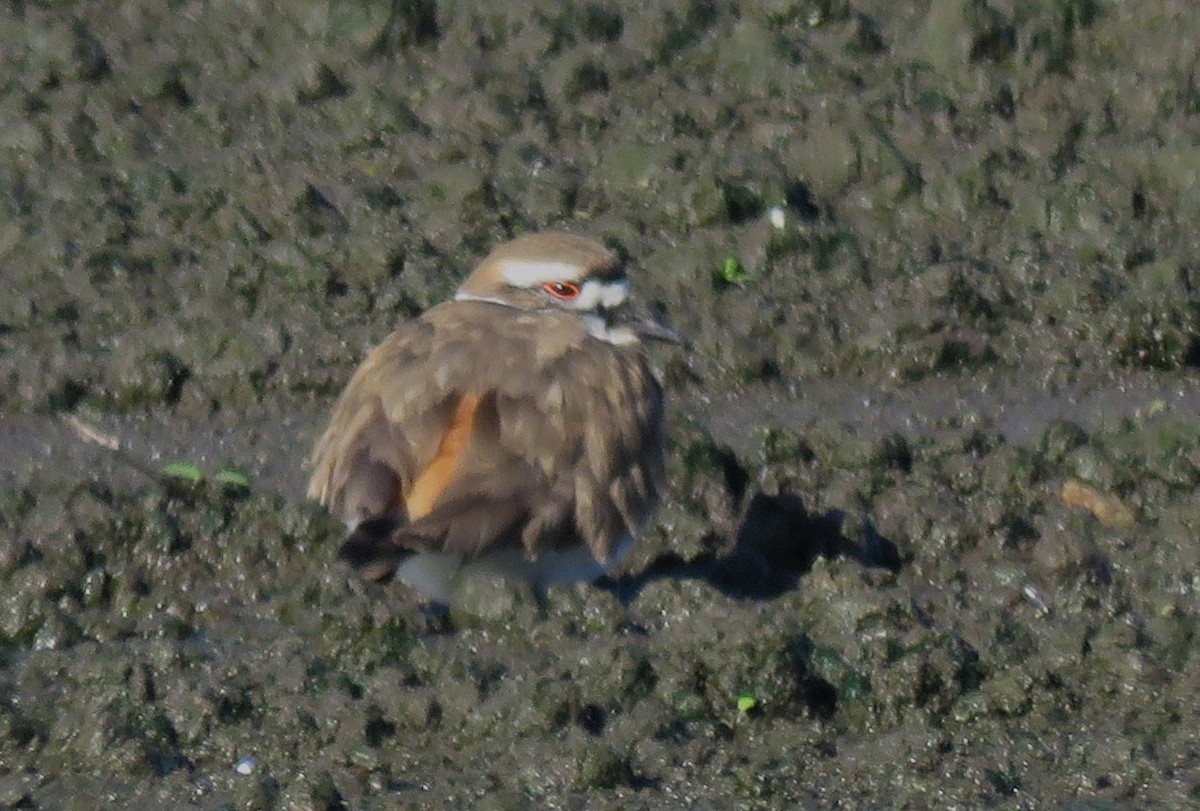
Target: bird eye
[(562, 290)]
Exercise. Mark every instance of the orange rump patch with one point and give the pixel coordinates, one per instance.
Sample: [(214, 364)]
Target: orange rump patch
[(436, 476)]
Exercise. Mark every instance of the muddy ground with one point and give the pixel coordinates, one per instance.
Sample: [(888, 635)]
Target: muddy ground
[(931, 535)]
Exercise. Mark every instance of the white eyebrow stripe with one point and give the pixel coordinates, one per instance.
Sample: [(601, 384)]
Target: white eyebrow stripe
[(531, 272), (461, 296), (596, 293)]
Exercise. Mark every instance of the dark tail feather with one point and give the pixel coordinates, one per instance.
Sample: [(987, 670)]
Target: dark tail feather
[(371, 550)]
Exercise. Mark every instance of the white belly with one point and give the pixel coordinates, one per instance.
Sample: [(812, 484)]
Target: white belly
[(437, 574)]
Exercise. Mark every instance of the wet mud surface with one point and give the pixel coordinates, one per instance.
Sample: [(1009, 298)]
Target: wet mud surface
[(930, 539)]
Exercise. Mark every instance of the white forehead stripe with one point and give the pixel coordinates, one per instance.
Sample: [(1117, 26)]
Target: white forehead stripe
[(530, 273)]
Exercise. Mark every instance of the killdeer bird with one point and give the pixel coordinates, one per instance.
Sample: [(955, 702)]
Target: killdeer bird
[(515, 430)]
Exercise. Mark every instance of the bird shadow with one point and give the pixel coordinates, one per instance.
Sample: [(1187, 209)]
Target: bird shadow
[(775, 544)]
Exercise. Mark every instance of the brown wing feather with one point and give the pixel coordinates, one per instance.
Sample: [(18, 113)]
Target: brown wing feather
[(556, 455), (365, 459)]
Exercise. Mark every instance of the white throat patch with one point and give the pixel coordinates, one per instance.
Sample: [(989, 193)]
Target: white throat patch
[(597, 327)]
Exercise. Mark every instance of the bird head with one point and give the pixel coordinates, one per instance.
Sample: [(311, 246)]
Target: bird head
[(557, 271)]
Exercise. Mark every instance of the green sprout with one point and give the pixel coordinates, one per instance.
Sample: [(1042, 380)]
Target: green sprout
[(231, 477), (184, 470), (732, 271), (746, 702)]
